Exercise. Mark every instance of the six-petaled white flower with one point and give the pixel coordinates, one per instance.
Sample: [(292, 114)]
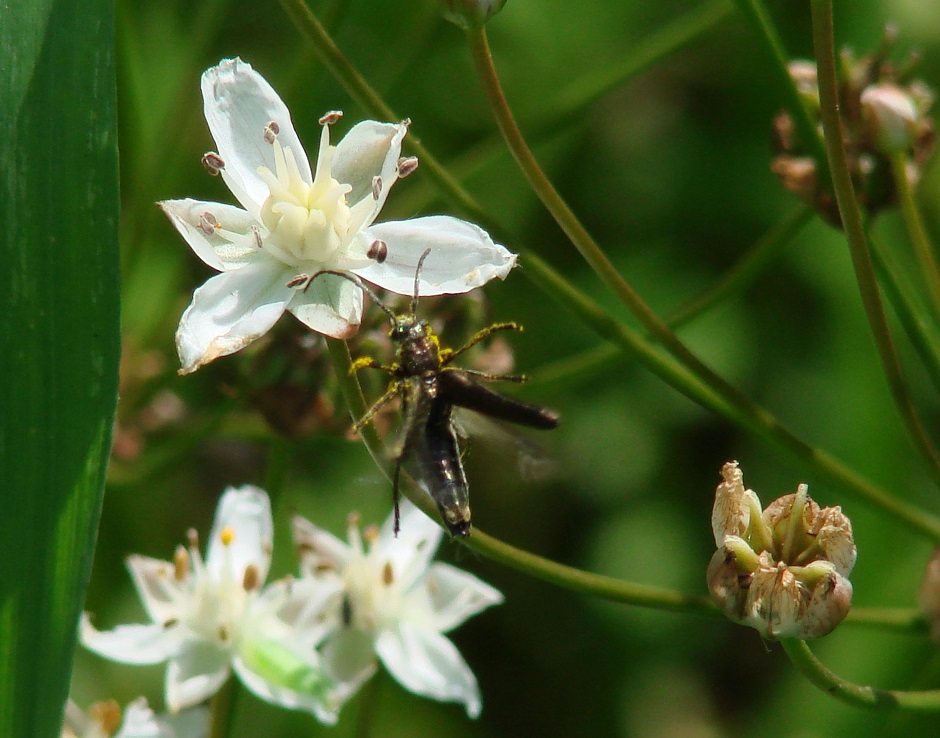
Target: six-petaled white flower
[(387, 599), (212, 615), (295, 222)]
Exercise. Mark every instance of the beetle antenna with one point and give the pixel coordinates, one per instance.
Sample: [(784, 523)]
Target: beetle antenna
[(414, 298), (356, 280)]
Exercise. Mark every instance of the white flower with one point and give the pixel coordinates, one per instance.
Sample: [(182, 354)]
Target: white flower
[(212, 616), (297, 222), (139, 722), (389, 600)]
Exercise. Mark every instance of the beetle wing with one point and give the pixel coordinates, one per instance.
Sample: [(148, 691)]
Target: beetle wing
[(461, 389)]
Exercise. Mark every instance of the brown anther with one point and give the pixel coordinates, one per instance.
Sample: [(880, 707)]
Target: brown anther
[(223, 633), (432, 585), (331, 117), (298, 280), (252, 578), (208, 223), (406, 122), (270, 132), (378, 251), (171, 623), (193, 538), (387, 574), (376, 187), (213, 163), (107, 714), (407, 165), (180, 564), (352, 520), (256, 234), (370, 533)]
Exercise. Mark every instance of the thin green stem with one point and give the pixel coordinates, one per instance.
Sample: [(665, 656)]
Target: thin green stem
[(855, 694), (751, 418), (902, 620), (923, 249), (748, 268), (803, 118), (913, 316), (855, 233), (222, 709)]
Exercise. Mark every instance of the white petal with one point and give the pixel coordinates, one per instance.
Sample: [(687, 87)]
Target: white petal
[(428, 664), (306, 608), (318, 550), (411, 551), (349, 657), (157, 587), (457, 595), (191, 723), (245, 512), (462, 257), (369, 150), (238, 104), (131, 644), (141, 722), (195, 674), (230, 311), (193, 217), (331, 305)]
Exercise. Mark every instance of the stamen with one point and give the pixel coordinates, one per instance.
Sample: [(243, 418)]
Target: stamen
[(376, 187), (171, 623), (193, 537), (213, 163), (331, 117), (300, 279), (208, 223), (180, 564), (371, 533), (387, 574), (352, 520), (223, 633), (407, 165), (252, 578), (256, 233), (378, 251), (227, 536), (270, 132), (107, 714)]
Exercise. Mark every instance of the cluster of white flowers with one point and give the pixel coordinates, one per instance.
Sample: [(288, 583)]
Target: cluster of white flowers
[(308, 642)]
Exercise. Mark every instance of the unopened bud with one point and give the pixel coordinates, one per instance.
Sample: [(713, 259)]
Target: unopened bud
[(470, 13)]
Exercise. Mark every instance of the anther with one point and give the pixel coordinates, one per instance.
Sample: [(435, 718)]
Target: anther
[(376, 187), (251, 580), (213, 163), (193, 537), (180, 564), (270, 132), (223, 633), (387, 574), (298, 280), (208, 223), (407, 165), (171, 623), (256, 234), (370, 533), (352, 520), (378, 251), (227, 535), (329, 118)]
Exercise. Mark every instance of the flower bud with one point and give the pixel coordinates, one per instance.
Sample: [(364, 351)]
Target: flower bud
[(892, 117), (783, 571), (470, 13)]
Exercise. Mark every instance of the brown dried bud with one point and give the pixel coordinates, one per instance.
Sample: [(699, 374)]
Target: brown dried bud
[(783, 571)]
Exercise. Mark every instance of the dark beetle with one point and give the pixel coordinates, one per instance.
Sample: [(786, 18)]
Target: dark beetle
[(430, 387)]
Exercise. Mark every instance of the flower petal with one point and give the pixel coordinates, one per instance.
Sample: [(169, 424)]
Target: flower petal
[(427, 663), (330, 305), (462, 257), (411, 550), (131, 644), (349, 657), (319, 551), (370, 149), (156, 586), (229, 243), (195, 674), (457, 595), (242, 535), (230, 311), (238, 104), (141, 722)]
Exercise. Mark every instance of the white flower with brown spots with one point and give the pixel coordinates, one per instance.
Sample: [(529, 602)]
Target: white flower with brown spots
[(385, 600), (295, 221), (783, 571)]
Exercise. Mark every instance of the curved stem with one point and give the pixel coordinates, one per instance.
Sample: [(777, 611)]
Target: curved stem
[(855, 694), (852, 223), (923, 249)]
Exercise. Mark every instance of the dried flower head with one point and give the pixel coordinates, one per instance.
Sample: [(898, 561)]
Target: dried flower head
[(783, 571)]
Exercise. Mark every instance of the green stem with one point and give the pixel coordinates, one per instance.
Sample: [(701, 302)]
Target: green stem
[(803, 117), (852, 223), (751, 418), (222, 709), (913, 317), (923, 249), (855, 694), (902, 620), (747, 269)]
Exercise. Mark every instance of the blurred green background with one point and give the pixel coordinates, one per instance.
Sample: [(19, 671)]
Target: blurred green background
[(670, 172)]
